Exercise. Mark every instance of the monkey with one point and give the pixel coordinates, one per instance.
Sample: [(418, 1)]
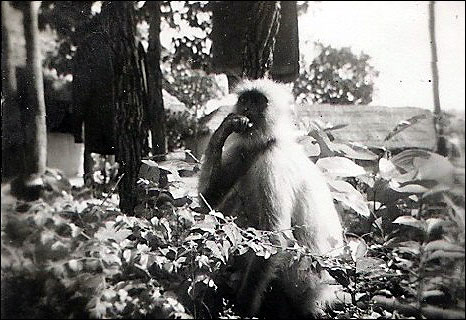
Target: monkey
[(254, 169)]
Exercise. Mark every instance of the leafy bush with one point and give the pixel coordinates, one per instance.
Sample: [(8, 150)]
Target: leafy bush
[(181, 126), (89, 260), (336, 76), (412, 210), (80, 257)]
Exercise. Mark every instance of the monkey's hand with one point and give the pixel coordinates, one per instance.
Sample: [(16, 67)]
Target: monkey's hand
[(231, 123), (236, 123)]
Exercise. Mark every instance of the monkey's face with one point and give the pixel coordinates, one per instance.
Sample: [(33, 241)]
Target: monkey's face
[(253, 105)]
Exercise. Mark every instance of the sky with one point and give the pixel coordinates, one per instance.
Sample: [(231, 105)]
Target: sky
[(396, 36)]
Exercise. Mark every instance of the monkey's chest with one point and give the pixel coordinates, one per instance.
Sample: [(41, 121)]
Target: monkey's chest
[(263, 194)]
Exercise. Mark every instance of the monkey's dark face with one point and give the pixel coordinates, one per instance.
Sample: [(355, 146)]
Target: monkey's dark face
[(253, 105)]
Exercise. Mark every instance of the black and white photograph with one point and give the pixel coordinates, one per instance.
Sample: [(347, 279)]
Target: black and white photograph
[(233, 160)]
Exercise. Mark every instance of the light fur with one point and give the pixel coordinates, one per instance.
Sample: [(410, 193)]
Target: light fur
[(280, 189)]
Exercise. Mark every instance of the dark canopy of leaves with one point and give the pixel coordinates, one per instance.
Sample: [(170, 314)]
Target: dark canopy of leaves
[(337, 76), (71, 20)]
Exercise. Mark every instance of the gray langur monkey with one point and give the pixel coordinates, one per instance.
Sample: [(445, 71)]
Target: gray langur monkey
[(255, 169)]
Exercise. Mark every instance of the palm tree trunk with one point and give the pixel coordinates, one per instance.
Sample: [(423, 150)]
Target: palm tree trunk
[(441, 145)]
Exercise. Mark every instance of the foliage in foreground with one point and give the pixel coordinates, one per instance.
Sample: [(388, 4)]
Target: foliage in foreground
[(77, 256)]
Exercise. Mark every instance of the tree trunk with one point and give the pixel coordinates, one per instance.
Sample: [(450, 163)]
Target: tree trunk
[(129, 98), (441, 145), (29, 184), (35, 129), (156, 111), (263, 24)]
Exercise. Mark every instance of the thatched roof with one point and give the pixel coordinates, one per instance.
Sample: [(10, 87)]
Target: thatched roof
[(368, 125)]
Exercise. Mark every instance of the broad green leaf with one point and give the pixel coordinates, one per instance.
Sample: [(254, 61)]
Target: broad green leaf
[(175, 165), (369, 265), (443, 245), (432, 294), (193, 237), (404, 159), (187, 217), (405, 263), (202, 260), (412, 247), (441, 254), (110, 258), (457, 213), (166, 224), (143, 260), (217, 214), (436, 168), (215, 250), (108, 294), (168, 267), (434, 224), (344, 192), (75, 265), (181, 260), (340, 167), (142, 248), (358, 248), (367, 179), (388, 170), (178, 190), (407, 188), (402, 125), (190, 185), (323, 141), (232, 234), (433, 172), (412, 222), (226, 249), (208, 226), (149, 170), (127, 254), (108, 232), (353, 151), (311, 147), (98, 308)]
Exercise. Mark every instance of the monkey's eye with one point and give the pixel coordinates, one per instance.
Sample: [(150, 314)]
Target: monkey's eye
[(263, 101)]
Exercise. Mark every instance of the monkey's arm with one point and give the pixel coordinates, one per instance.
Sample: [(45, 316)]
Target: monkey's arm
[(217, 177)]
